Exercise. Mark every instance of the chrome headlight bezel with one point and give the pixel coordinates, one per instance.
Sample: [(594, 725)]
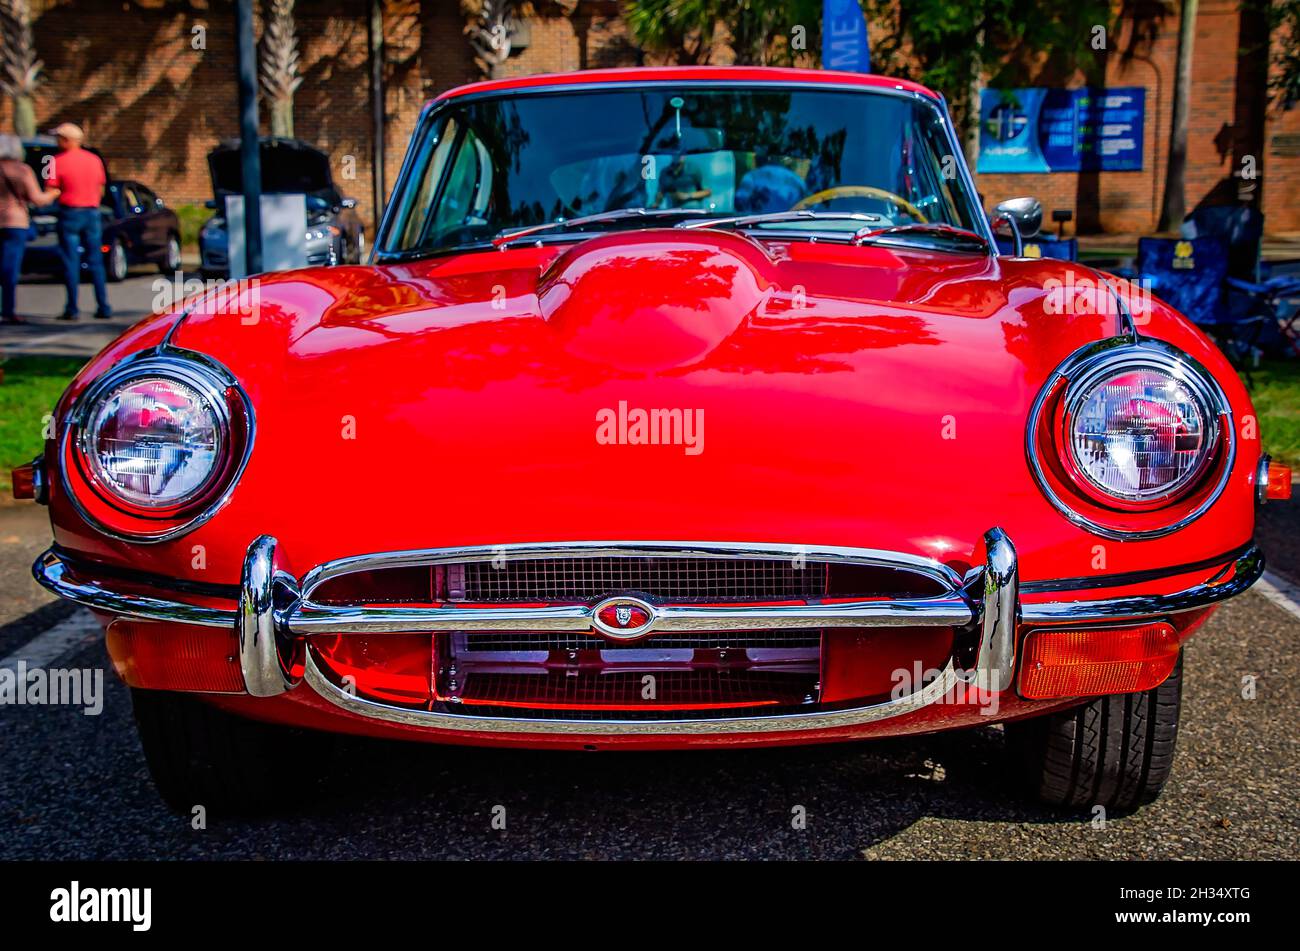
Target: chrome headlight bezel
[(1092, 506), (119, 516)]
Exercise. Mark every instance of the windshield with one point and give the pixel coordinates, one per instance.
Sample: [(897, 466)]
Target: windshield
[(491, 166)]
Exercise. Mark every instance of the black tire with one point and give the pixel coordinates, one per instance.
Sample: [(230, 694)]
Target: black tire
[(201, 756), (1116, 751), (116, 264), (171, 260)]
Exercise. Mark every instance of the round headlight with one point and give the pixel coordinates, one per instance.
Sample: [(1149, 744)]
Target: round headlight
[(154, 442), (1138, 434)]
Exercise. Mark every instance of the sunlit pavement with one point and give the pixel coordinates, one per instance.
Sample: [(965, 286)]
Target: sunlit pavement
[(41, 300), (75, 786)]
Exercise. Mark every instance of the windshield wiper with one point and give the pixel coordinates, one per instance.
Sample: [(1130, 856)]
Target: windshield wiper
[(618, 214), (933, 229), (805, 214)]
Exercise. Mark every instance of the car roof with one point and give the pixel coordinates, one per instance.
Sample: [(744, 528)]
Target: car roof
[(641, 74)]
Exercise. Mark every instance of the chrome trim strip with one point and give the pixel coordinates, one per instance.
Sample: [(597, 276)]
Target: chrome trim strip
[(943, 611), (935, 570), (1095, 357), (52, 573), (793, 722), (1240, 575)]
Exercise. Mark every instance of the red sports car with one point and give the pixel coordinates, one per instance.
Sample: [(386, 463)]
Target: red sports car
[(678, 408)]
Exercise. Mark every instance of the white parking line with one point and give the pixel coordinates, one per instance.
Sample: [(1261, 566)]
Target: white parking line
[(1281, 592), (63, 638)]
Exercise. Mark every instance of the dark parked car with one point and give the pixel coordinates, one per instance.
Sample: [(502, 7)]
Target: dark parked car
[(138, 227), (334, 232)]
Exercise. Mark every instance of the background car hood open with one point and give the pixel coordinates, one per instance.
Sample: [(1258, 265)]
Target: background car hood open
[(288, 166)]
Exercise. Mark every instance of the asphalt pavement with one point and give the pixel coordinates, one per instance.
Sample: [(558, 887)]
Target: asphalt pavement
[(41, 300)]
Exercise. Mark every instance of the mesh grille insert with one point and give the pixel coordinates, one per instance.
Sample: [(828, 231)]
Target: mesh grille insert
[(671, 579)]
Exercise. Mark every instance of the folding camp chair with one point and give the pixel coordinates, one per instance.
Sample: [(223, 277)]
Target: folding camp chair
[(1267, 304), (1190, 275)]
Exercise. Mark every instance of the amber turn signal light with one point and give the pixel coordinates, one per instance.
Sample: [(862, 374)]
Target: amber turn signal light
[(1074, 662), (156, 656), (23, 480), (1279, 481)]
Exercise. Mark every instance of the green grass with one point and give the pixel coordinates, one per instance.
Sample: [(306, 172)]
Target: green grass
[(1277, 403), (192, 218), (29, 390)]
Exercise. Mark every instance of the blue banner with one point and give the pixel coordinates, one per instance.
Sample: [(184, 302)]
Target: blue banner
[(1061, 130), (844, 37)]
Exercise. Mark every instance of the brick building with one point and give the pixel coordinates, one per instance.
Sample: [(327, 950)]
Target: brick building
[(153, 82)]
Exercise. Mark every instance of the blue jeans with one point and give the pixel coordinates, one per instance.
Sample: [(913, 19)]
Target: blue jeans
[(13, 242), (82, 226)]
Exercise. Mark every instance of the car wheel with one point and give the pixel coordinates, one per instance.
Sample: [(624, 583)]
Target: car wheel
[(171, 262), (115, 264), (1116, 751), (201, 756)]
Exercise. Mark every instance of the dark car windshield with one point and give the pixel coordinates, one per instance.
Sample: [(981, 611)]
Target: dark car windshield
[(488, 166)]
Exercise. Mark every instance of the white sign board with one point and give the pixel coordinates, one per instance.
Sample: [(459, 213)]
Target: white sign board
[(284, 233)]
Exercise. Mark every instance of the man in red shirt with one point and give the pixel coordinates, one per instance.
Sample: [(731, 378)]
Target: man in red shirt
[(81, 179)]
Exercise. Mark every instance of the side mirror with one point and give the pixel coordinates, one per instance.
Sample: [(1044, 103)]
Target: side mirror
[(1026, 212)]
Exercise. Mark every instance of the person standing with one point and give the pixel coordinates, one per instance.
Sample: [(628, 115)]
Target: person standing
[(80, 177), (18, 189)]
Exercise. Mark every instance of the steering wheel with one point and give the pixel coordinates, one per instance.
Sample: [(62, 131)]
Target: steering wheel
[(860, 191)]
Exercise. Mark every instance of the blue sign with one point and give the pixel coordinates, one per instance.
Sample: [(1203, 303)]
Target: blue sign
[(844, 37), (1061, 130)]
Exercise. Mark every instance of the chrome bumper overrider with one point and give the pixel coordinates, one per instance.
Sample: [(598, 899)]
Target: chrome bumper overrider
[(275, 619)]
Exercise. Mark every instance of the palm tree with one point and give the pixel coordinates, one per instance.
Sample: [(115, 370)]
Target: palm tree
[(491, 26), (20, 70), (279, 65), (758, 31), (1174, 206)]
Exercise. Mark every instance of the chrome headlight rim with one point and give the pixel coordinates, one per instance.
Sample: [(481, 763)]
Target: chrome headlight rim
[(119, 519), (1077, 376)]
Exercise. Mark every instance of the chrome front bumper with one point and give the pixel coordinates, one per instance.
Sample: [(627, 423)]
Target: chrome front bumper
[(276, 618)]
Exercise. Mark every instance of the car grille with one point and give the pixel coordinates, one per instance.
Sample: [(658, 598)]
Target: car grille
[(669, 579), (529, 641), (616, 694)]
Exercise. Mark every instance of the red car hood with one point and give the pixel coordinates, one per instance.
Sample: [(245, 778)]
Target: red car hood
[(841, 396)]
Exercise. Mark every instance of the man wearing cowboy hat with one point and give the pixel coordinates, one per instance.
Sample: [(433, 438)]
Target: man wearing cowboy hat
[(80, 176)]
